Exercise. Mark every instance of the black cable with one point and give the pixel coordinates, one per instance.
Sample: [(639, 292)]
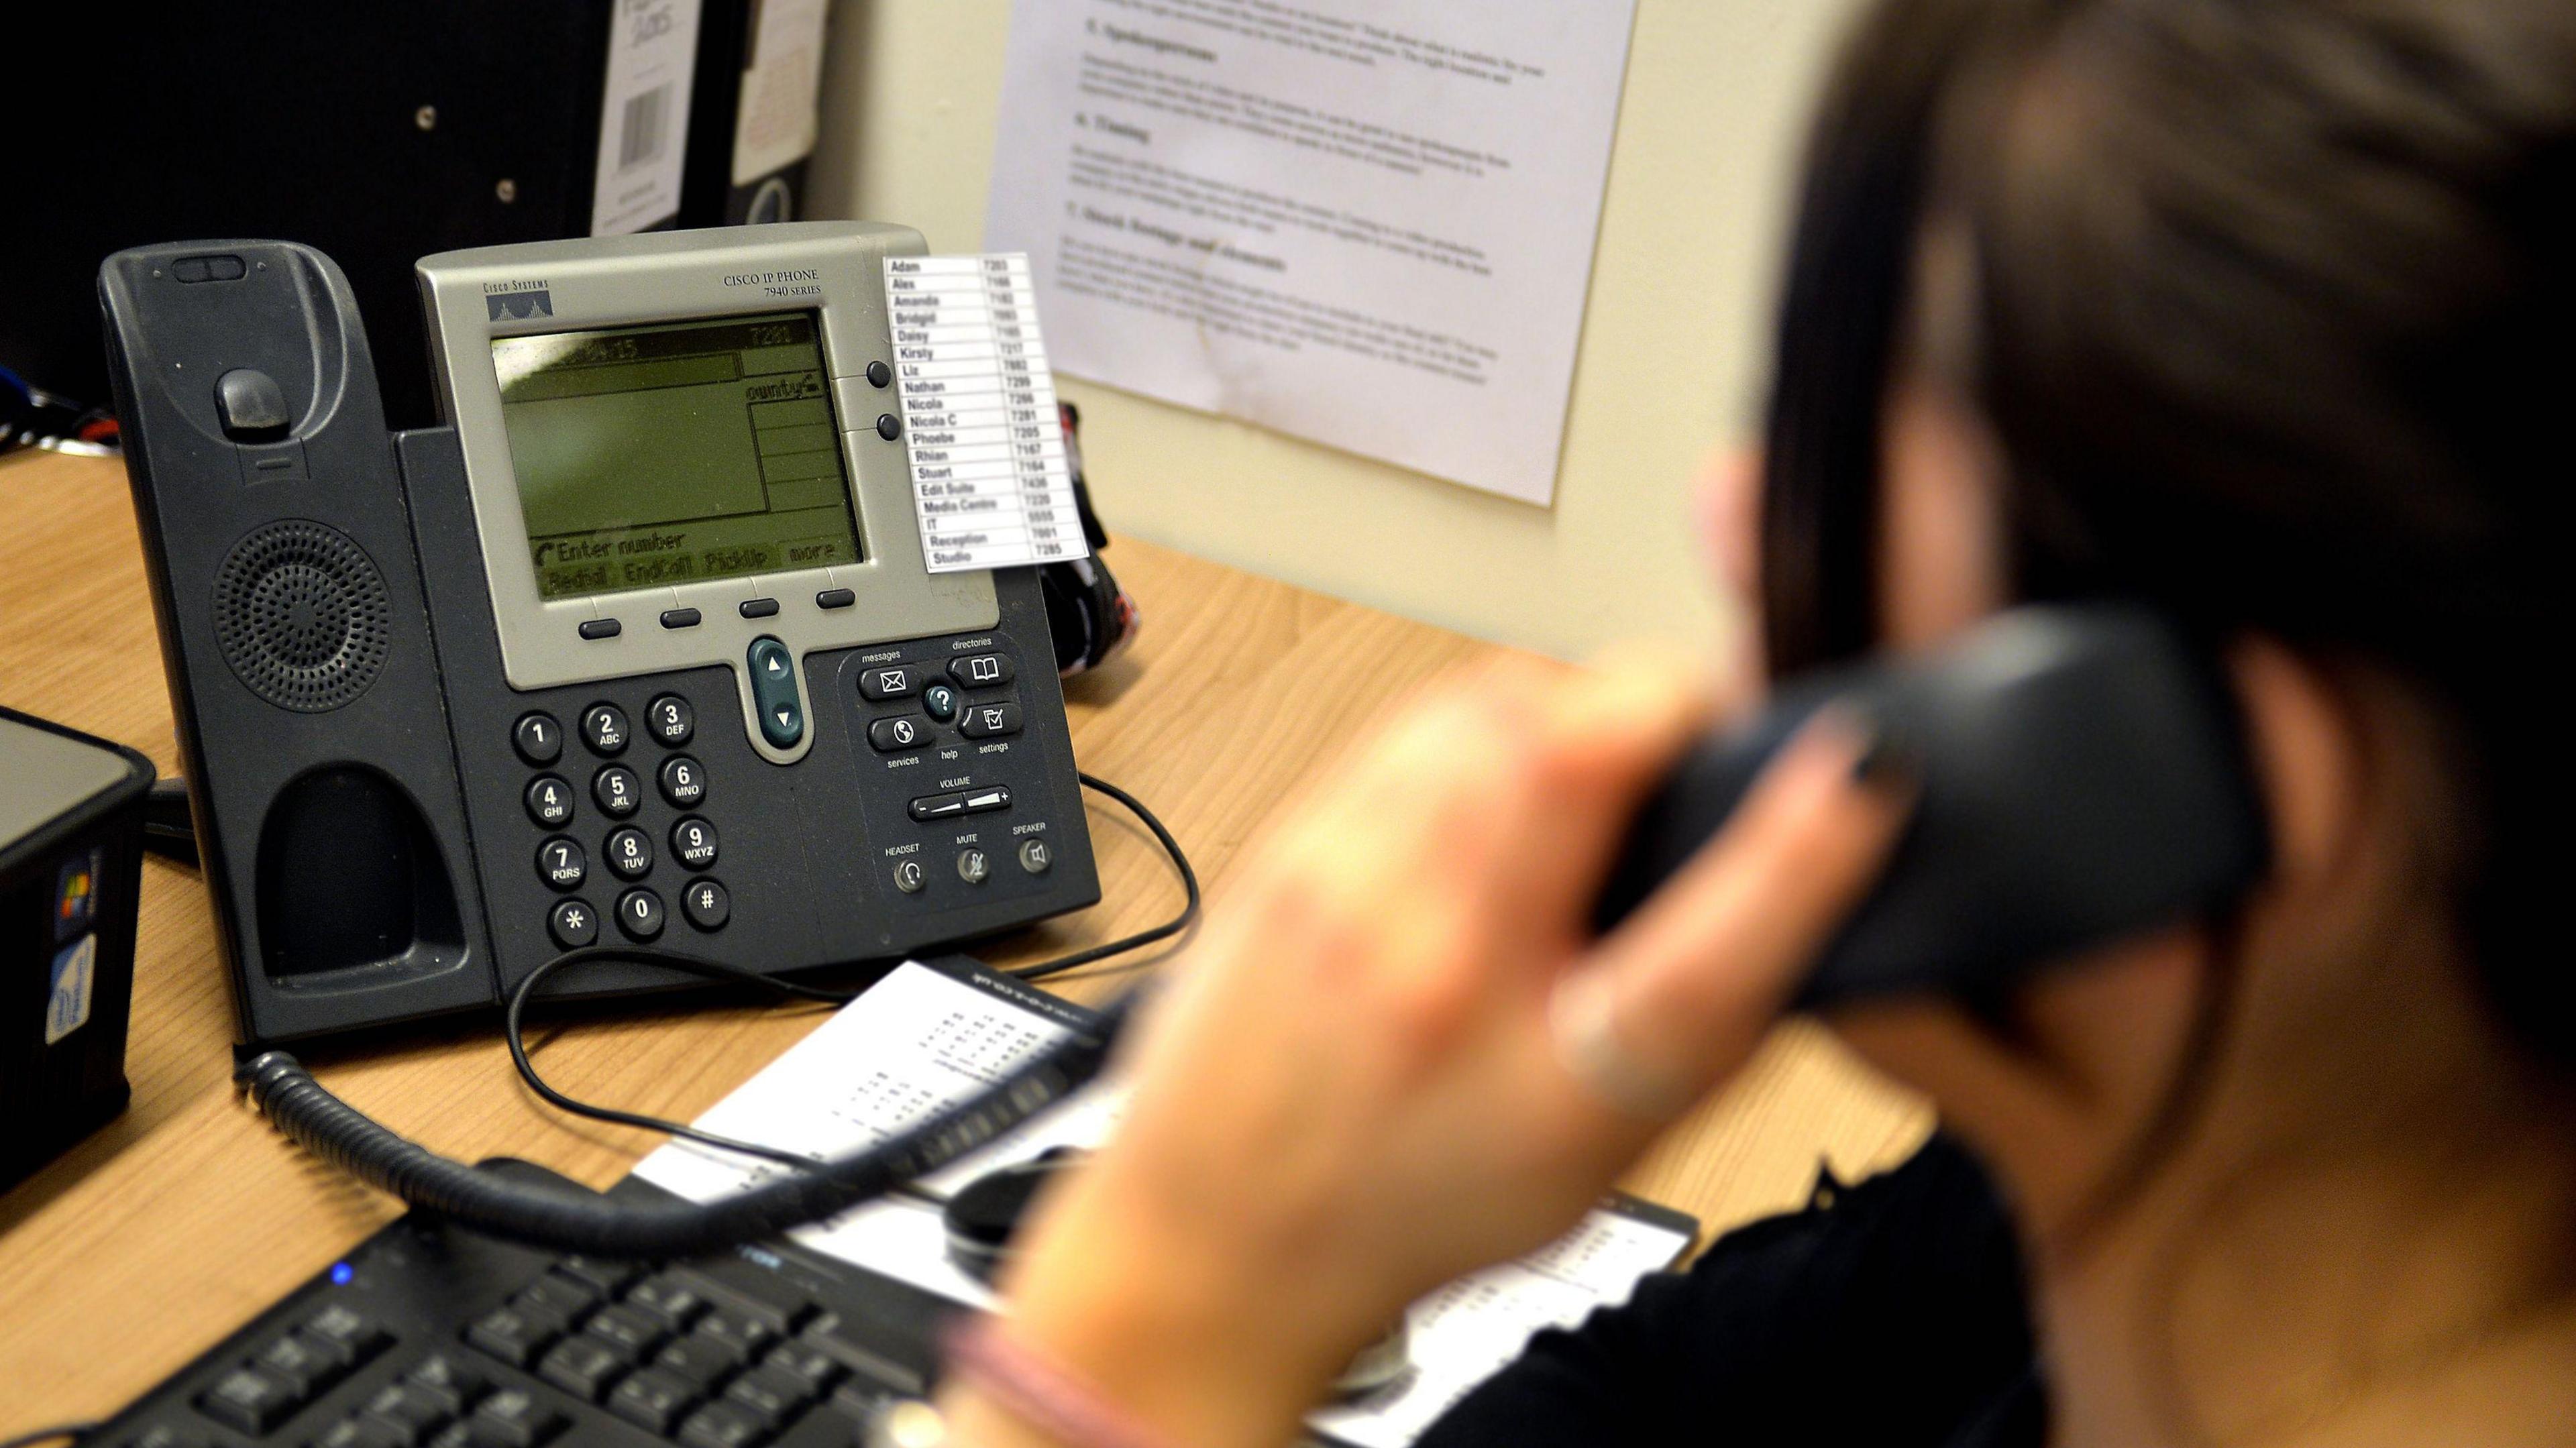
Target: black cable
[(571, 1220), (513, 1033), (74, 1431)]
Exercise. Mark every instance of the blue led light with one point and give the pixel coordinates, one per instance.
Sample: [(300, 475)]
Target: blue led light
[(341, 1272)]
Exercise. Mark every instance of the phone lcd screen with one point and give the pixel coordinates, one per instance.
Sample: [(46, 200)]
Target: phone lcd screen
[(650, 456)]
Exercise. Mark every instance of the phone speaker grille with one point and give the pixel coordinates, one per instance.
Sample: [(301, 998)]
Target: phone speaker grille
[(301, 613)]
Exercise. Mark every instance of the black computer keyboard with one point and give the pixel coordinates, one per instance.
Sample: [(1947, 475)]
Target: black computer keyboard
[(427, 1336)]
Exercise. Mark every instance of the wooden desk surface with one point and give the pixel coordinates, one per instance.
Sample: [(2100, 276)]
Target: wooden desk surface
[(146, 1243)]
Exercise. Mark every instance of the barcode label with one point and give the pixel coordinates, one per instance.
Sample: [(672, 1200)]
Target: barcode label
[(639, 138)]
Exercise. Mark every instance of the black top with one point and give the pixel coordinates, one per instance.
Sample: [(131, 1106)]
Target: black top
[(1888, 1313)]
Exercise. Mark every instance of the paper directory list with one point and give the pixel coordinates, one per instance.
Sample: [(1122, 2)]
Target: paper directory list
[(1366, 222), (991, 485), (923, 1040)]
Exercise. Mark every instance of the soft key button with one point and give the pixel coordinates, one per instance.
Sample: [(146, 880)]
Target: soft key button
[(773, 693)]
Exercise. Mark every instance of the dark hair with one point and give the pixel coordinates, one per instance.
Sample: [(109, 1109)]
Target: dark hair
[(2272, 303)]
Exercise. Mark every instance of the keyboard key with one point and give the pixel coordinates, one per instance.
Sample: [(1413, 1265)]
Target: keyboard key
[(605, 1276), (748, 1335), (454, 1435), (358, 1433), (340, 1329), (250, 1400), (635, 1332), (307, 1366), (699, 1360), (775, 1394), (652, 1399), (805, 1362), (411, 1414), (452, 1384), (162, 1435), (562, 1296), (668, 1298), (511, 1335), (513, 1418), (583, 1366), (721, 1425), (755, 1292)]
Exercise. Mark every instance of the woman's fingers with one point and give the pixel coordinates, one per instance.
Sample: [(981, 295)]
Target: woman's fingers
[(1685, 987)]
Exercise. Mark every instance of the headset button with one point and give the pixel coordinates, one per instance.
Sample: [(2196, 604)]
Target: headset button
[(973, 866), (630, 853), (549, 800), (639, 914), (573, 924), (909, 877), (538, 737), (706, 904)]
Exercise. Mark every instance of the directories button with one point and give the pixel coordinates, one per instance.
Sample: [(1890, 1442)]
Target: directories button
[(773, 693)]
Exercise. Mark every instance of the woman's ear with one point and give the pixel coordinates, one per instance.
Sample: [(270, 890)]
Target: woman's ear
[(2307, 743)]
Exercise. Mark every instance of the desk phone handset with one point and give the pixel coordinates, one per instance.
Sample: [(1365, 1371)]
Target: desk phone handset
[(640, 646)]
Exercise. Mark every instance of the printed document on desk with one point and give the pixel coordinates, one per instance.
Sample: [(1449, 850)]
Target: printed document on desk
[(1365, 222), (925, 1038)]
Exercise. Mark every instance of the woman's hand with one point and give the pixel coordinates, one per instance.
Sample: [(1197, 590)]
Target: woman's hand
[(1354, 1093)]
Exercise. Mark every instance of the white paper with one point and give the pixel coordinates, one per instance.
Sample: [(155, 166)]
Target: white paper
[(644, 114), (1366, 222), (990, 482), (920, 1041), (775, 123)]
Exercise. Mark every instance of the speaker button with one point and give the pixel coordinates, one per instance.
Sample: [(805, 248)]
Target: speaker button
[(572, 924), (639, 914), (684, 781), (630, 853), (549, 800), (706, 904), (693, 843), (617, 790), (671, 719), (538, 737), (603, 728), (561, 863), (1035, 857)]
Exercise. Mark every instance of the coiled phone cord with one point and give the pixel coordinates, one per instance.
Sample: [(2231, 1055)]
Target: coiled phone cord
[(562, 1219)]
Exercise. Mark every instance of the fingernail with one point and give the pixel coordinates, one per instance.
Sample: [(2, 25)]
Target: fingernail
[(1890, 760)]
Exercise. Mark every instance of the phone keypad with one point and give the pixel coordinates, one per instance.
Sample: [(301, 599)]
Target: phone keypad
[(628, 851)]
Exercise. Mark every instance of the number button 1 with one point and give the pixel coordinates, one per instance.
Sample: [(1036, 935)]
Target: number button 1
[(538, 737)]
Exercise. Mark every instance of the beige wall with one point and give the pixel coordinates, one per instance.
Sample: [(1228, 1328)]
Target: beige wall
[(1672, 356)]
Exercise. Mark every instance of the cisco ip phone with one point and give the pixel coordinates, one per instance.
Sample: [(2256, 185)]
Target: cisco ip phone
[(639, 647)]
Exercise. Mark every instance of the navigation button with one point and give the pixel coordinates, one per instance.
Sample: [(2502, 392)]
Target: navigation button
[(982, 720), (898, 733), (773, 693), (889, 681), (909, 877)]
